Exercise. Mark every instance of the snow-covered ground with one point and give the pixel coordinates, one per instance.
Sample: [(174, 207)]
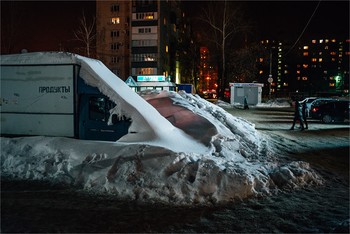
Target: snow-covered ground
[(167, 155)]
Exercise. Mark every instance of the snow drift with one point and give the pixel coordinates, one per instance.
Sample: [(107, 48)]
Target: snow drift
[(189, 151)]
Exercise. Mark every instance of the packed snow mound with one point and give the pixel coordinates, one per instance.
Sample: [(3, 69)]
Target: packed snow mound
[(277, 103), (148, 173)]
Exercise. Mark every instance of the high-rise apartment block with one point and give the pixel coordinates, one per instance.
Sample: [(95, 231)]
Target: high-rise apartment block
[(139, 37), (113, 35), (318, 67), (323, 66)]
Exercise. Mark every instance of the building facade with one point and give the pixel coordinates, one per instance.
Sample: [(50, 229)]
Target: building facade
[(273, 69), (208, 74), (319, 67), (141, 37), (113, 35), (323, 67)]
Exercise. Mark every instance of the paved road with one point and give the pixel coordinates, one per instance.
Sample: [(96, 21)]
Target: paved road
[(279, 119), (323, 145)]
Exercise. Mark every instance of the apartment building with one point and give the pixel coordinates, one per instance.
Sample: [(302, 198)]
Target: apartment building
[(137, 38), (316, 67), (113, 36), (208, 74), (272, 64), (323, 66)]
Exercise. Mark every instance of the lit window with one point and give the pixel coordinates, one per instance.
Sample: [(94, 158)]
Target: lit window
[(333, 53), (298, 71), (333, 40), (326, 47), (115, 20), (305, 65), (321, 41), (306, 53), (166, 49), (261, 60), (313, 41), (306, 47), (304, 78), (326, 40), (314, 60), (149, 16), (320, 60), (331, 84), (261, 72)]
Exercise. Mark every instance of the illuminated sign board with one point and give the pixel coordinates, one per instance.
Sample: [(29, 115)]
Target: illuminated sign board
[(151, 78)]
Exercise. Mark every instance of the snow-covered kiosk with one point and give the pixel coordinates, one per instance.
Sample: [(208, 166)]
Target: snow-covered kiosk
[(251, 91), (144, 82)]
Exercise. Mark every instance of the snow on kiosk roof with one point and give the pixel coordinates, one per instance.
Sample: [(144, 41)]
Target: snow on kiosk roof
[(147, 124)]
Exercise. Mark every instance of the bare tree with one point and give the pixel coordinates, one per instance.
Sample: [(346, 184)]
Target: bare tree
[(242, 65), (86, 33), (225, 21)]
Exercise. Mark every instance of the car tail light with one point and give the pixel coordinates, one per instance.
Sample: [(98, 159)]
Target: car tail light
[(315, 109)]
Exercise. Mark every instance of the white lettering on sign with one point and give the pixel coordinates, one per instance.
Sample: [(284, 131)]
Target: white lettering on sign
[(150, 78)]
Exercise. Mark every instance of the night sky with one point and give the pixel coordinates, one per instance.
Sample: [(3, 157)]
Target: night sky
[(49, 25), (285, 20)]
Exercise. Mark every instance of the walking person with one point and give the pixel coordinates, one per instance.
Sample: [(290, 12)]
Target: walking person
[(298, 115), (304, 109)]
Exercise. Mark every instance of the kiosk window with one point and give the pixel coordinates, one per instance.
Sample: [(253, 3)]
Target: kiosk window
[(97, 110)]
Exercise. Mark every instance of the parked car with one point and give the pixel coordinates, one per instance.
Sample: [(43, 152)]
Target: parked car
[(318, 102), (331, 112)]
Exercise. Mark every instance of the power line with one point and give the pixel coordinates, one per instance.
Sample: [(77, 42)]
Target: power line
[(301, 34)]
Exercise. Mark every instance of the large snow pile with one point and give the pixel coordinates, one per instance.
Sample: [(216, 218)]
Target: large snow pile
[(277, 103), (180, 149)]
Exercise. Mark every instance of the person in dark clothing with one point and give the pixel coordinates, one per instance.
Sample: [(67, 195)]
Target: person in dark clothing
[(303, 104), (245, 107), (298, 115)]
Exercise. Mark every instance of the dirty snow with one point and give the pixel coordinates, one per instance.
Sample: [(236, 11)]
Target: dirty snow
[(158, 161)]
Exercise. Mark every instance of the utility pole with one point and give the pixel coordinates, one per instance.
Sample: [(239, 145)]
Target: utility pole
[(270, 79)]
